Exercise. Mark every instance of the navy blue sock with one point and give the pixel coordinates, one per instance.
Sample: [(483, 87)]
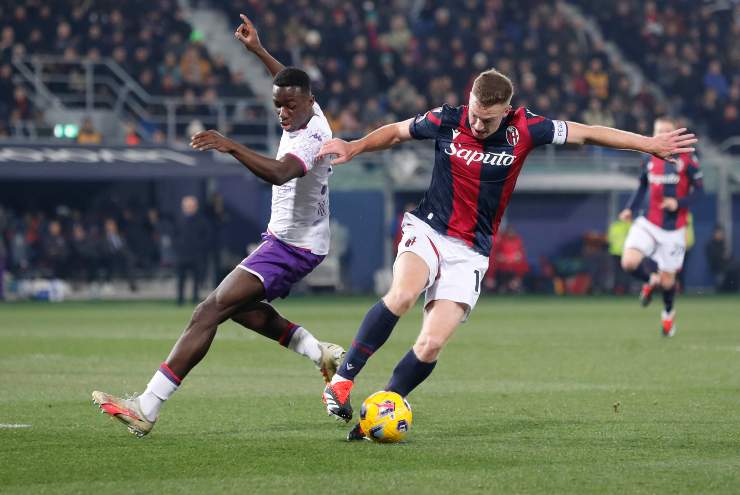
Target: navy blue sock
[(668, 296), (646, 267), (408, 374), (374, 331)]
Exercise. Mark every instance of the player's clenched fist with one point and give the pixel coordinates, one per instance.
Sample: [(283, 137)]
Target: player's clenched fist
[(211, 140)]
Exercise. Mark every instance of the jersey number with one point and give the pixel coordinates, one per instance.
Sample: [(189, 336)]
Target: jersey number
[(477, 281)]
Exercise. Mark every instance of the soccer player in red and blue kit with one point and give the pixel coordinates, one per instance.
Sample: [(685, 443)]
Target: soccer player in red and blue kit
[(657, 240), (480, 149)]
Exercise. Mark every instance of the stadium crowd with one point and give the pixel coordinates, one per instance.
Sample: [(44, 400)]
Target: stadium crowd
[(110, 241), (373, 63), (150, 40), (692, 50)]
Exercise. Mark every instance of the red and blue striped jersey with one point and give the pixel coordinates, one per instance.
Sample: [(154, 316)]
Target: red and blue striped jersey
[(681, 180), (473, 179)]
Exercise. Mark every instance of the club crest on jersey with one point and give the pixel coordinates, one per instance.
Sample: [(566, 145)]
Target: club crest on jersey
[(512, 135)]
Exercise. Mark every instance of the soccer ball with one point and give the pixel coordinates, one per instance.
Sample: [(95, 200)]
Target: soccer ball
[(385, 417)]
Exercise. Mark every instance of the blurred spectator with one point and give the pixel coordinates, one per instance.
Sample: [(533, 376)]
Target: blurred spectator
[(725, 269), (83, 255), (116, 258), (88, 134), (597, 79), (216, 215), (714, 79), (55, 251), (193, 67), (597, 261), (131, 138), (191, 247), (596, 114), (507, 263)]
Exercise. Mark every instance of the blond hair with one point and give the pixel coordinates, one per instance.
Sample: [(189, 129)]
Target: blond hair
[(492, 87)]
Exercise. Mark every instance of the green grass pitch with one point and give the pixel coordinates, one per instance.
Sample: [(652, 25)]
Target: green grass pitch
[(533, 395)]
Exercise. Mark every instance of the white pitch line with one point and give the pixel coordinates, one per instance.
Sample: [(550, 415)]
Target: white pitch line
[(13, 425)]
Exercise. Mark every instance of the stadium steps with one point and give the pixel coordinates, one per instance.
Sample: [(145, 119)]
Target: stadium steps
[(218, 36)]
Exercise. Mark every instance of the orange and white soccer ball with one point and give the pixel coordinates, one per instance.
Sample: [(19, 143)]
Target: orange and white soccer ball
[(385, 417)]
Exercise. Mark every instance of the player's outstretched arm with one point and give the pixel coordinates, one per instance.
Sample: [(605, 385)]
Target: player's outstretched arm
[(276, 172), (663, 145), (380, 139), (247, 34)]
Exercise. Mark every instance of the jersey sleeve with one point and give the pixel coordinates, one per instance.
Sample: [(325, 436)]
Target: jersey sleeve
[(426, 126), (546, 131), (305, 147), (635, 201), (696, 179), (693, 171)]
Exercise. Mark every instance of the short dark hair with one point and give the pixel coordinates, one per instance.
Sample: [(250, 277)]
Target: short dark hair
[(292, 76), (492, 87)]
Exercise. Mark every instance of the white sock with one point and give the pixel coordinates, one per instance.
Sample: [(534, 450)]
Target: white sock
[(159, 389), (305, 344)]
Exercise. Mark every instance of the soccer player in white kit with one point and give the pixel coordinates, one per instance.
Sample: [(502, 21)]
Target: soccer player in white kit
[(296, 241)]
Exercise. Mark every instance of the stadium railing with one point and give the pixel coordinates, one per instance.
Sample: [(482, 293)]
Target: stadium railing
[(57, 83)]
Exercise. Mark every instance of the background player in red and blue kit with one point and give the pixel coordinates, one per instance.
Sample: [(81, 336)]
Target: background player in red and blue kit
[(480, 150), (656, 244)]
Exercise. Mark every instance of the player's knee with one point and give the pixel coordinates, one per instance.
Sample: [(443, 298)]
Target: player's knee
[(204, 312), (629, 264), (428, 347), (399, 301), (667, 281)]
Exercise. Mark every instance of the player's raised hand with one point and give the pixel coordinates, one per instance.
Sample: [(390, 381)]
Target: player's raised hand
[(625, 215), (668, 144), (339, 148), (247, 34), (211, 140)]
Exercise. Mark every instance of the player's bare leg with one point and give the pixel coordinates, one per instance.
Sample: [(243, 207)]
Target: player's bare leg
[(140, 413), (667, 323), (410, 277), (441, 319), (264, 319), (235, 290), (642, 268)]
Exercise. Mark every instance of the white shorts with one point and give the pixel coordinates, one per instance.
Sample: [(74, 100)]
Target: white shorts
[(455, 270), (666, 247)]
